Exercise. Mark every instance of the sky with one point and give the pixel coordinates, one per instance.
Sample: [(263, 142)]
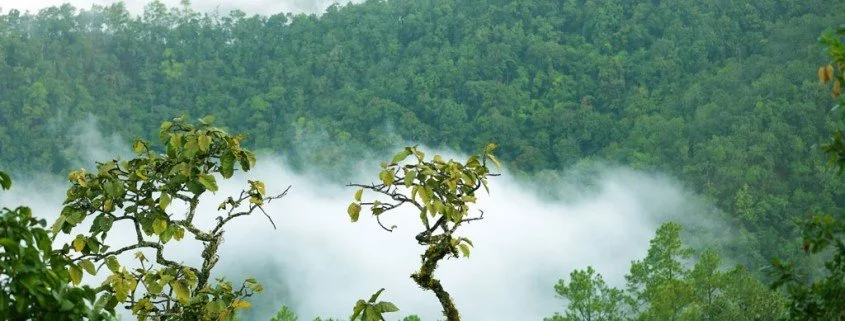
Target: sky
[(319, 263), (263, 7)]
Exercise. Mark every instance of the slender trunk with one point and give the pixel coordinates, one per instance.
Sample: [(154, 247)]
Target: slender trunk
[(426, 280)]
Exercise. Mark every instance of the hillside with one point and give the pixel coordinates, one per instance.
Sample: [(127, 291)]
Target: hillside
[(720, 94)]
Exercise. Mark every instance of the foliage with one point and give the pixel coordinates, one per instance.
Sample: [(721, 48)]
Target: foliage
[(442, 192), (821, 298), (35, 280), (371, 310), (683, 87), (589, 298), (143, 193), (285, 314), (663, 287)]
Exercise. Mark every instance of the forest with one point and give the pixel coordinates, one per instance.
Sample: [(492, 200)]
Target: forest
[(727, 97)]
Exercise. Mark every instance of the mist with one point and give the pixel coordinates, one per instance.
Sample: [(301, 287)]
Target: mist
[(263, 7), (319, 263)]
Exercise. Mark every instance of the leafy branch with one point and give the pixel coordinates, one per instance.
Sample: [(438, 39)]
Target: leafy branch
[(442, 192)]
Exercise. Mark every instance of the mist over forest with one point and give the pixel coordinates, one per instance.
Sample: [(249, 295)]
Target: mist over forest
[(647, 160)]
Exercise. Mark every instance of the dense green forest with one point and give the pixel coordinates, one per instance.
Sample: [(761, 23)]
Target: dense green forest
[(721, 94)]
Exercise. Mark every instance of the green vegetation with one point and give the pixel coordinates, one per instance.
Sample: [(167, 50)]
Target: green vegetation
[(441, 191), (714, 92), (34, 280), (666, 286), (711, 92)]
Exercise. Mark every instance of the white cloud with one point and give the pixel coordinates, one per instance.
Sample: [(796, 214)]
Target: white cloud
[(319, 263), (263, 7)]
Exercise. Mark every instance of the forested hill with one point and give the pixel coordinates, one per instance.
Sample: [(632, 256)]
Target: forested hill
[(719, 93)]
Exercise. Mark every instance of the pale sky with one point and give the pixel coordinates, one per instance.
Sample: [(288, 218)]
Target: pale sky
[(263, 7)]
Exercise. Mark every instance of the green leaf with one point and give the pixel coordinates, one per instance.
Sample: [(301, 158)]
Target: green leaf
[(386, 177), (164, 200), (409, 178), (5, 181), (374, 297), (75, 274), (401, 156), (178, 233), (204, 142), (208, 182), (227, 164), (159, 226), (138, 147), (181, 290), (358, 194), (88, 266), (371, 314), (464, 249), (359, 307), (354, 211), (112, 264), (191, 147), (495, 161), (207, 120), (386, 307)]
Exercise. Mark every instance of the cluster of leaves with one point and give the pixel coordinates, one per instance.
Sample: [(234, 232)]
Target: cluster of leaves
[(34, 279), (442, 192), (371, 310), (140, 193), (662, 287)]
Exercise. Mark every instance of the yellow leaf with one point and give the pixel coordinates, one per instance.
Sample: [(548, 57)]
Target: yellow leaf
[(241, 304), (354, 211), (164, 200), (822, 75), (79, 243), (358, 194), (181, 290), (159, 225), (75, 274)]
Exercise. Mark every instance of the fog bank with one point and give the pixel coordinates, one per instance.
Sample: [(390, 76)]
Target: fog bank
[(318, 262)]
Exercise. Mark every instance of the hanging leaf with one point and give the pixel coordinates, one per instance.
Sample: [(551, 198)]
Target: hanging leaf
[(88, 266), (75, 274), (204, 142), (159, 225), (181, 291), (358, 194), (227, 164), (112, 264), (464, 249), (354, 211), (164, 201), (208, 182)]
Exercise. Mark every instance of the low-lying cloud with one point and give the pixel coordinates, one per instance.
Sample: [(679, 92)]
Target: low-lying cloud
[(318, 262)]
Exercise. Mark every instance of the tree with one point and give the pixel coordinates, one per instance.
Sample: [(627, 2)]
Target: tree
[(142, 194), (821, 299), (656, 284), (34, 279), (589, 298), (442, 192)]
